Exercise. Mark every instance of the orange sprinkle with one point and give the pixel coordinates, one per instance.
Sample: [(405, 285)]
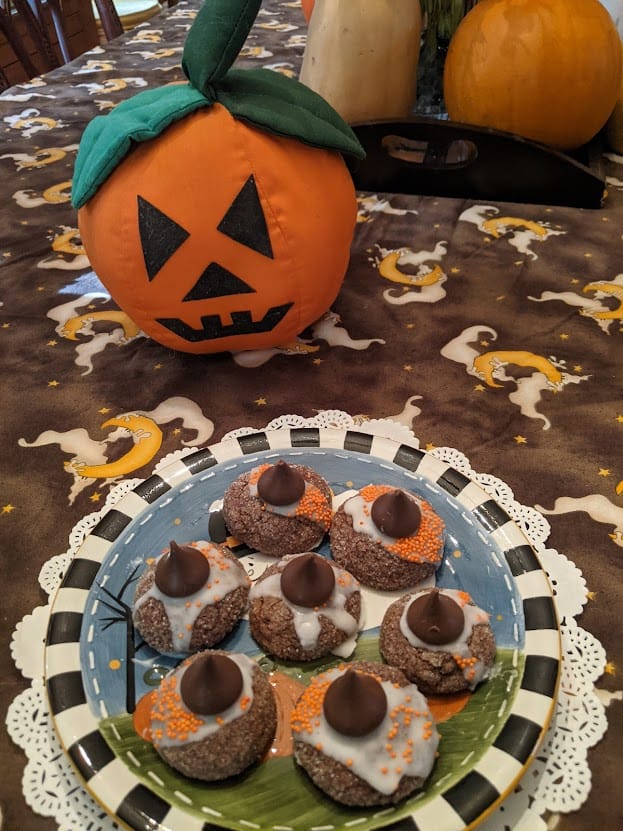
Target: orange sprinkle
[(177, 721), (426, 545), (314, 505)]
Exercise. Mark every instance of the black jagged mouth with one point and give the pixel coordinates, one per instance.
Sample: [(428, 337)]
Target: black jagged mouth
[(212, 327)]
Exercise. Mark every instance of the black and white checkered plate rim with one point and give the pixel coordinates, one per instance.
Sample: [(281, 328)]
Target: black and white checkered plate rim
[(495, 774)]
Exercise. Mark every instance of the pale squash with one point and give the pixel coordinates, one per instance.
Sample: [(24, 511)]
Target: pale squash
[(362, 56), (547, 70)]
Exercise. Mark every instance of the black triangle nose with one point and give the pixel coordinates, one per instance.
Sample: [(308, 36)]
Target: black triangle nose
[(217, 281)]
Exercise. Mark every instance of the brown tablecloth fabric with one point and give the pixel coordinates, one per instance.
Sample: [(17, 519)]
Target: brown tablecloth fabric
[(538, 288)]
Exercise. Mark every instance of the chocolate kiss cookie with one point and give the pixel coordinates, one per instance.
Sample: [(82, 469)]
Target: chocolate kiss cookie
[(396, 514), (308, 580), (190, 597), (440, 639), (213, 716), (182, 571), (355, 704), (281, 484), (278, 509)]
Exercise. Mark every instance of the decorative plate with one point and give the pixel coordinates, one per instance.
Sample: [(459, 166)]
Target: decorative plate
[(98, 671)]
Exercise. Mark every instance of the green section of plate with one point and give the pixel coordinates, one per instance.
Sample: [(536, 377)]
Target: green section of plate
[(278, 793)]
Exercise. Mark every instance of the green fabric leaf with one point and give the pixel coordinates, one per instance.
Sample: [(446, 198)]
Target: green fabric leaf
[(216, 37), (107, 139), (284, 106)]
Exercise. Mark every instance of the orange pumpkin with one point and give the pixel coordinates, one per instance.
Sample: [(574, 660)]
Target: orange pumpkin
[(308, 7), (216, 233), (547, 70)]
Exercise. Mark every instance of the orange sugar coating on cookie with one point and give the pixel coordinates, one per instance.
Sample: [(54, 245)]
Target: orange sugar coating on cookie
[(425, 544), (314, 505), (306, 714), (178, 722)]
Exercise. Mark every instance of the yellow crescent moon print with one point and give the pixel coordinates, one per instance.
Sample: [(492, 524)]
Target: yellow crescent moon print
[(492, 226), (161, 53), (151, 36), (114, 84), (388, 268), (615, 291), (64, 242), (96, 66), (72, 326), (147, 442), (56, 194), (30, 121), (44, 157), (486, 364)]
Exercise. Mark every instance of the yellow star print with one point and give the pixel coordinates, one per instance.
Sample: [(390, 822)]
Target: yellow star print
[(520, 439), (6, 509)]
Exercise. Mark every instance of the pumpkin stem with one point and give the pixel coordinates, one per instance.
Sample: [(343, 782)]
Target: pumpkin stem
[(216, 37)]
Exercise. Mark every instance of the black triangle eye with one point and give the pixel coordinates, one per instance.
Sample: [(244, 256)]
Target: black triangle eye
[(217, 281), (245, 222), (160, 235)]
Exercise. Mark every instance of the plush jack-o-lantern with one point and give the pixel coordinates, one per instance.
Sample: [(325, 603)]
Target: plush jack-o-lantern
[(219, 213)]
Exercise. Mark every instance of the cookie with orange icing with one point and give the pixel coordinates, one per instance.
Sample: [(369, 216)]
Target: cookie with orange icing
[(364, 734), (214, 715), (388, 538), (190, 597), (440, 639), (278, 509), (305, 607)]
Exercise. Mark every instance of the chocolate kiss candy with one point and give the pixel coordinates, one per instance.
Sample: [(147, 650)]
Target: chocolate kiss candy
[(182, 571), (211, 684), (396, 514), (307, 580), (280, 484), (435, 618), (355, 704)]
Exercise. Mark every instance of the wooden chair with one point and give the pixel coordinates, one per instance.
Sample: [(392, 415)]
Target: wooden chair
[(40, 35)]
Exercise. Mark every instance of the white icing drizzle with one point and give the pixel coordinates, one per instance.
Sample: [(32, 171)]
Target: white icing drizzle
[(182, 612), (473, 615), (306, 621), (209, 723), (403, 744)]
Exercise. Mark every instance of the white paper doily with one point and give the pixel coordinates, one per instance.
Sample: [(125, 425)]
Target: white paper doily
[(557, 781)]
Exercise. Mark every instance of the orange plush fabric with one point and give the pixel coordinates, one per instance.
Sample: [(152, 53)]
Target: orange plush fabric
[(152, 233)]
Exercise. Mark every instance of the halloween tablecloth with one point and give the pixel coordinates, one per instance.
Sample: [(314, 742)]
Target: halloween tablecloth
[(491, 328)]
